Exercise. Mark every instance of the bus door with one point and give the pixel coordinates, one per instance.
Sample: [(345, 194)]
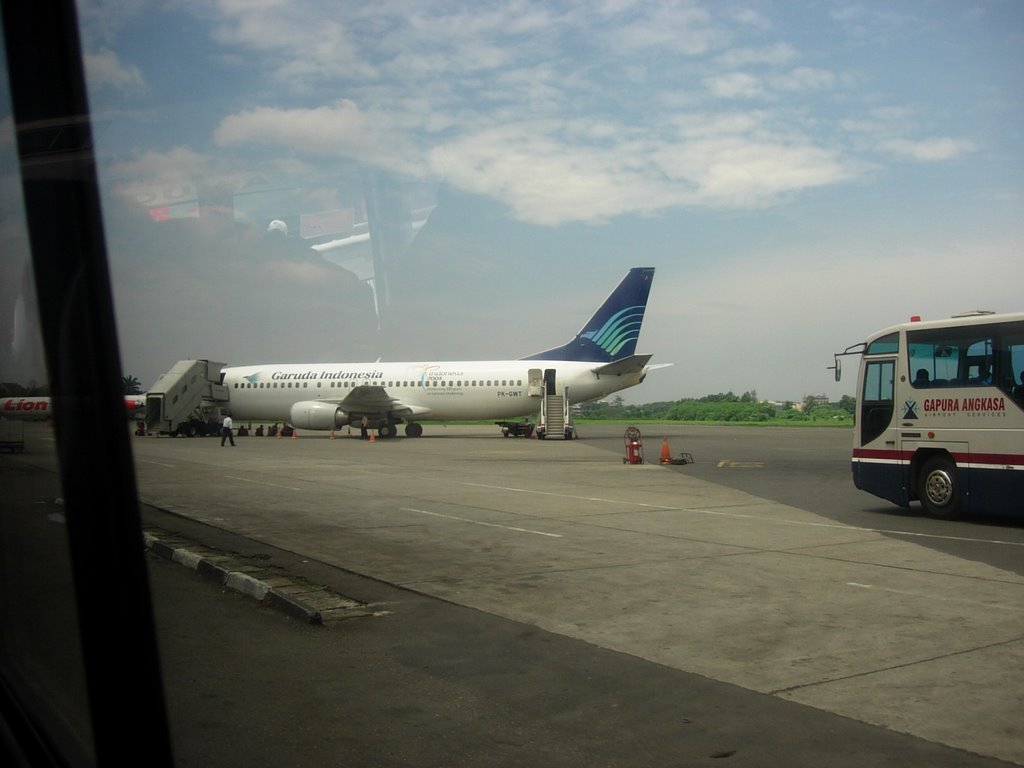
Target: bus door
[(878, 466)]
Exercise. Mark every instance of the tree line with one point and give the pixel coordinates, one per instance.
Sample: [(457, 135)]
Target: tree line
[(726, 407), (129, 384)]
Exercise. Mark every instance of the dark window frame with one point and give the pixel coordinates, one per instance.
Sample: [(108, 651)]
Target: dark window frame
[(115, 617)]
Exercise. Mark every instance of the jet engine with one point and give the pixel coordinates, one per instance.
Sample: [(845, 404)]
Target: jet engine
[(311, 414)]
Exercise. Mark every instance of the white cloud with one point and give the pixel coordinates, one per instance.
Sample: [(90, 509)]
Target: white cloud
[(777, 54), (499, 119), (105, 70), (681, 28), (736, 85), (339, 130), (301, 45), (174, 173), (508, 101), (102, 20), (738, 159), (929, 150), (743, 85), (752, 18), (804, 79), (540, 178)]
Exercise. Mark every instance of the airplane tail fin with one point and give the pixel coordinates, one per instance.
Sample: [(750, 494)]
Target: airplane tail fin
[(611, 334)]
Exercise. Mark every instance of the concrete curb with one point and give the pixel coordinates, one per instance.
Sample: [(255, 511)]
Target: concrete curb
[(240, 582)]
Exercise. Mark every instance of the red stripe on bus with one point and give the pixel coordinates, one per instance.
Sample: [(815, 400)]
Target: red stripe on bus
[(1003, 459), (876, 453)]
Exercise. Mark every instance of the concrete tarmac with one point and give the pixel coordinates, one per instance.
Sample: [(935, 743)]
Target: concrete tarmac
[(417, 681), (496, 601)]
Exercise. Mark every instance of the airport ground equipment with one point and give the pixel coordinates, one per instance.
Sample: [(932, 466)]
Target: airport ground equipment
[(516, 428), (668, 458), (188, 400), (12, 436), (634, 446), (556, 416), (682, 458)]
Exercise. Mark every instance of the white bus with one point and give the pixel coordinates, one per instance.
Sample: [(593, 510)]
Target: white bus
[(940, 414)]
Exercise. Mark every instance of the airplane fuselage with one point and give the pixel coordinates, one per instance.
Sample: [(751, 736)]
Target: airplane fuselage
[(26, 408), (437, 391)]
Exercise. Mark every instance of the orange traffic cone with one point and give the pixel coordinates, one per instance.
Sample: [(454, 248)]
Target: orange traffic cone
[(373, 438), (666, 456), (295, 434), (332, 434)]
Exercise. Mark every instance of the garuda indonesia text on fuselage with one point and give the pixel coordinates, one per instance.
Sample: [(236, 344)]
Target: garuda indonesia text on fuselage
[(600, 360)]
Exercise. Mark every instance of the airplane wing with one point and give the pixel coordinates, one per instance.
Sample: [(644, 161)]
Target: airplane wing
[(627, 365), (375, 400)]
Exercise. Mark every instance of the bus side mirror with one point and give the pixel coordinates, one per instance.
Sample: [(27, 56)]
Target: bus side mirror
[(838, 368)]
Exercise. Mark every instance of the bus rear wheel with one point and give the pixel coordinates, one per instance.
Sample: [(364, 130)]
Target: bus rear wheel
[(939, 488)]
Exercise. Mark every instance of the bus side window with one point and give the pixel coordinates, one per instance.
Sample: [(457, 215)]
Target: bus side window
[(1013, 357), (934, 363), (978, 362)]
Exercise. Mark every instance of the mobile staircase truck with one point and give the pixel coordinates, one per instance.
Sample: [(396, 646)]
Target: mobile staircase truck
[(188, 400), (556, 417)]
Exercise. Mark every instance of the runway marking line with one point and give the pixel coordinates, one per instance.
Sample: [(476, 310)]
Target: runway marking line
[(480, 522), (260, 482), (940, 598), (742, 516), (156, 463)]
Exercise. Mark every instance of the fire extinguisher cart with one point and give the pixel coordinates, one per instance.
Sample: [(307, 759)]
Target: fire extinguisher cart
[(634, 447)]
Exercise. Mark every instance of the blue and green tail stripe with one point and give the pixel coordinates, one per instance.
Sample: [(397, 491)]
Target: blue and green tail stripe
[(621, 329), (612, 333)]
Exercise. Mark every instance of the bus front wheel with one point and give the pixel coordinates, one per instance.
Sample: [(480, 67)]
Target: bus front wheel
[(939, 488)]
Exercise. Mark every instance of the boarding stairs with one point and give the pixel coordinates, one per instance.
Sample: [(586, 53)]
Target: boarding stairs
[(555, 416), (189, 399)]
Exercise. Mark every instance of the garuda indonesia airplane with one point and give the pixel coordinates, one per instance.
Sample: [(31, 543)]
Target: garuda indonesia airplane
[(599, 360)]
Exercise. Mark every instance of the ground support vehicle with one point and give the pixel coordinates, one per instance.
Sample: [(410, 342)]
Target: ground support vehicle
[(940, 414), (516, 428), (188, 400)]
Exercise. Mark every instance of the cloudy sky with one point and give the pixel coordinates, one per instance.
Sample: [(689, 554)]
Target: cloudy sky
[(800, 174)]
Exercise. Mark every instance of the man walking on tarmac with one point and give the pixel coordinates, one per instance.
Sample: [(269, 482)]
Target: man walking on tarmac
[(226, 433)]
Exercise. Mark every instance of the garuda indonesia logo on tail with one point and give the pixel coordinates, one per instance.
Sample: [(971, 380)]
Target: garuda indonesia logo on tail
[(613, 331), (621, 328)]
